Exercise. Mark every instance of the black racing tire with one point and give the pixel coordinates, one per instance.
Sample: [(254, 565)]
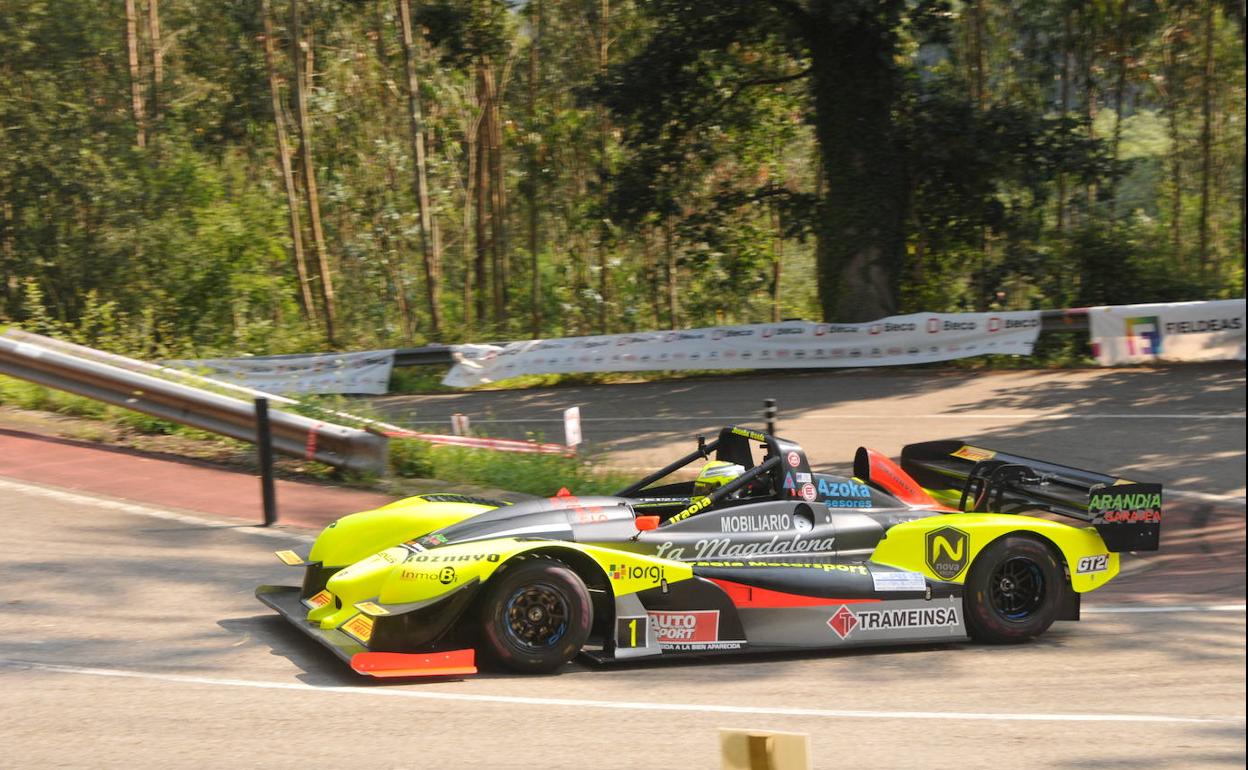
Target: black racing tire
[(1013, 592), (534, 616)]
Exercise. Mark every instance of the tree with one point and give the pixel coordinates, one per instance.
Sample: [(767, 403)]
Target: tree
[(432, 256), (312, 194), (703, 58)]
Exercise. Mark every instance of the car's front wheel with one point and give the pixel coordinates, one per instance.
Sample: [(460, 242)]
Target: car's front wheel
[(535, 616), (1013, 591)]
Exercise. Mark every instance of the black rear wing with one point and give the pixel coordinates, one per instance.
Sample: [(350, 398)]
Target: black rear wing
[(1127, 514)]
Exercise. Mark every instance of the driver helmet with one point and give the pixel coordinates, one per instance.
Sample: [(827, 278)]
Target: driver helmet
[(714, 475)]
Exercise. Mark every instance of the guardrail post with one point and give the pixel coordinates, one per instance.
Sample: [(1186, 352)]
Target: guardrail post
[(264, 446), (769, 414)]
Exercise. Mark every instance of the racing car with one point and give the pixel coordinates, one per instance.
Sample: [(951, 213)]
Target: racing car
[(758, 553)]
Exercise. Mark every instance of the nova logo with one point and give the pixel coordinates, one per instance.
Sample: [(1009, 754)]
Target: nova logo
[(1143, 336), (947, 551)]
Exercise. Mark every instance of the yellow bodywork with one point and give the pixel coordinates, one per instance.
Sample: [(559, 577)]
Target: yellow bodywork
[(398, 576), (906, 545), (357, 536)]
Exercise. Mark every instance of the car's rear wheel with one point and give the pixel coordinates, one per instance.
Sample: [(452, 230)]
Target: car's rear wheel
[(1013, 591), (535, 616)]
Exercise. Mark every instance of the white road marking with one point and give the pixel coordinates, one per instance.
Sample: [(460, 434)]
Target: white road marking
[(695, 708), (1111, 608), (143, 510)]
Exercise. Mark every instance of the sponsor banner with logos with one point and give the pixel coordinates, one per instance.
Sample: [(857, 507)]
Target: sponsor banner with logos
[(366, 372), (908, 339), (1173, 331)]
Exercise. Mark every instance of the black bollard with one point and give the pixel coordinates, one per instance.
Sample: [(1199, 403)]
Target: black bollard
[(264, 445)]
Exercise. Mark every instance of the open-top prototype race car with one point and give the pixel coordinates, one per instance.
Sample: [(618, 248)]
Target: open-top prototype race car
[(759, 553)]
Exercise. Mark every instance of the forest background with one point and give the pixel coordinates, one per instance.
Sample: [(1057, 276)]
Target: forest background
[(185, 179)]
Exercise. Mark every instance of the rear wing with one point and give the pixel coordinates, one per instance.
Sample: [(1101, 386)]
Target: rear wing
[(1127, 514)]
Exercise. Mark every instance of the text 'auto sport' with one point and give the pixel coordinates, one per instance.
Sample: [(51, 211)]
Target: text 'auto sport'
[(758, 553)]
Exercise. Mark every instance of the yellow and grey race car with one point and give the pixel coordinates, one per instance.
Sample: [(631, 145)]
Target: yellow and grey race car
[(759, 553)]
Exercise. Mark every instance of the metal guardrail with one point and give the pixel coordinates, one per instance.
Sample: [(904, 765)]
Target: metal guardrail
[(293, 435)]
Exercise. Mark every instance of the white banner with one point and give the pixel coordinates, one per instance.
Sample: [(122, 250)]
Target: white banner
[(366, 372), (1172, 331), (909, 339)]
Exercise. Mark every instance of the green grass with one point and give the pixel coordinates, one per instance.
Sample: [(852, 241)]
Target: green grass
[(533, 474)]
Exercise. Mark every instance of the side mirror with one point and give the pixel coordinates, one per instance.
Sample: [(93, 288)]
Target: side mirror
[(646, 523)]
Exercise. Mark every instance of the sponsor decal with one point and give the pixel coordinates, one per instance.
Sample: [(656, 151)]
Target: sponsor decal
[(360, 627), (372, 608), (752, 435), (845, 621), (996, 324), (319, 600), (446, 575), (694, 507), (788, 481), (793, 459), (631, 632), (1129, 504), (802, 478), (808, 493), (845, 489), (898, 581), (853, 569), (1143, 335), (948, 551), (723, 548), (1203, 326), (974, 454), (681, 628), (459, 557), (756, 522), (1089, 564), (652, 572)]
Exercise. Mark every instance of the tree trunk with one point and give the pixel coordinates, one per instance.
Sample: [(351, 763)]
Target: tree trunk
[(1067, 54), (670, 249), (604, 166), (288, 176), (1120, 88), (158, 58), (301, 86), (860, 236), (535, 170), (483, 197), (777, 257), (433, 259), (1206, 141), (466, 227), (498, 194), (136, 75)]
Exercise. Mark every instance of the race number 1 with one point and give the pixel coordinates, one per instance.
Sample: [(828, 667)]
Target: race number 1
[(631, 632)]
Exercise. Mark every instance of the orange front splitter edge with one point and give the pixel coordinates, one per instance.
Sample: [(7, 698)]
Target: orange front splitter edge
[(395, 664)]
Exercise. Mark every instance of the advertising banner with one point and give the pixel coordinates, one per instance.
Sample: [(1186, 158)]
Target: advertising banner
[(366, 372), (909, 339), (1172, 331)]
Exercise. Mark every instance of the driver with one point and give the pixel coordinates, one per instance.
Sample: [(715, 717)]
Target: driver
[(714, 475)]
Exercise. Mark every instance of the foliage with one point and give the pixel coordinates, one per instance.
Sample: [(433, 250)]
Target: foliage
[(411, 458), (536, 474), (655, 163)]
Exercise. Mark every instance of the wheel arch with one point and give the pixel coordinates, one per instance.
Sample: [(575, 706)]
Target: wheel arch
[(1070, 597), (589, 571)]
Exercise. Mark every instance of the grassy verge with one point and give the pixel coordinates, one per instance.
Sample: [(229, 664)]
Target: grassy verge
[(529, 473)]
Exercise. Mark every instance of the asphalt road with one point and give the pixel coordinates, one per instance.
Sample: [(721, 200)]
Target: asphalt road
[(131, 639), (131, 636), (1182, 426)]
